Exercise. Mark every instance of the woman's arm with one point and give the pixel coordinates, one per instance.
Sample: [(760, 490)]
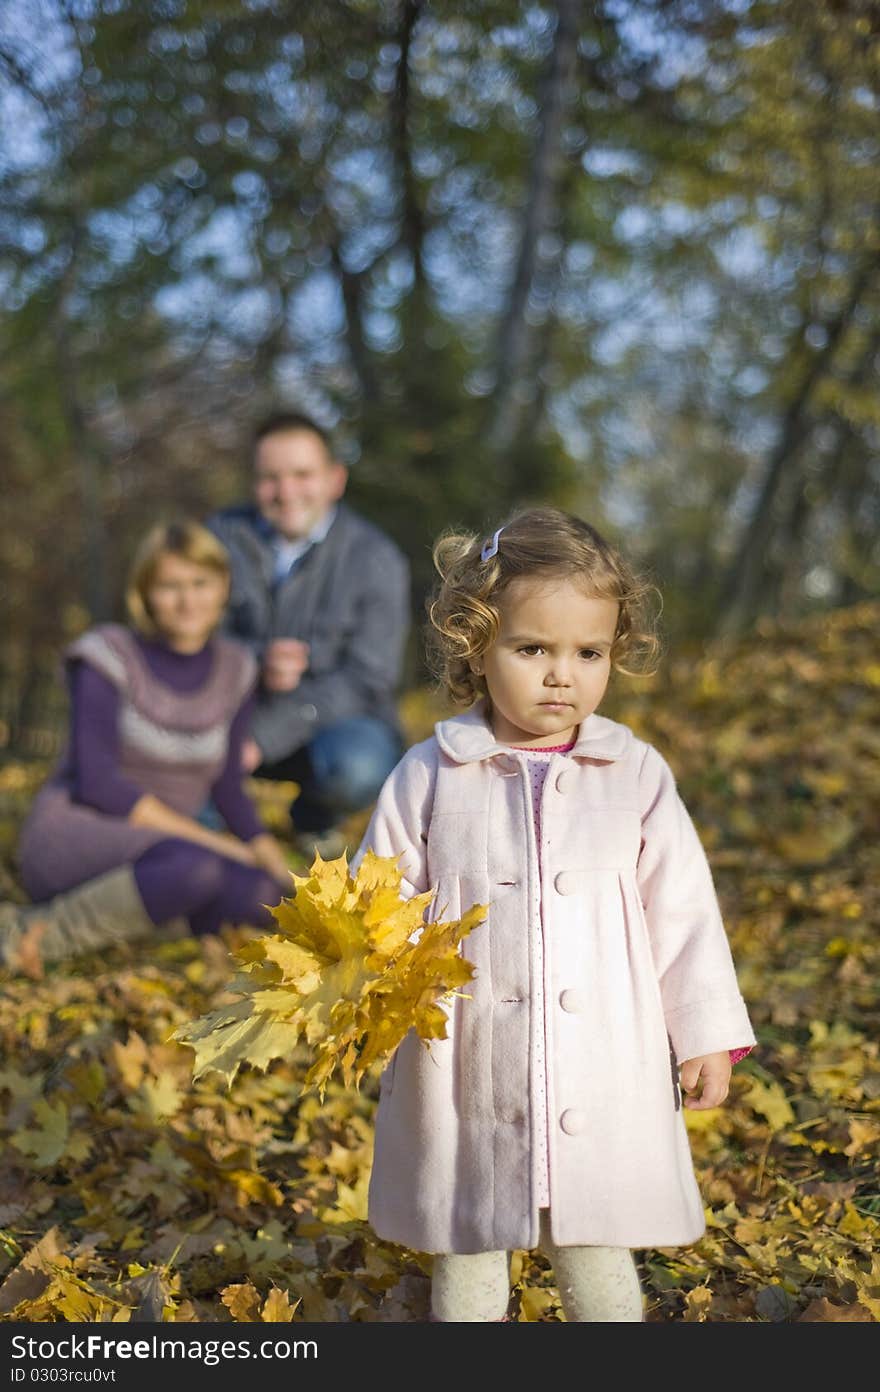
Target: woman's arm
[(94, 743), (150, 811)]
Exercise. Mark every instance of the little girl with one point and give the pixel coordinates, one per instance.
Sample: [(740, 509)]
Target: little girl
[(550, 1116)]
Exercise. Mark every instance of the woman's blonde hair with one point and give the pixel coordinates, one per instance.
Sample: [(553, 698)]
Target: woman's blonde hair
[(542, 543), (189, 540)]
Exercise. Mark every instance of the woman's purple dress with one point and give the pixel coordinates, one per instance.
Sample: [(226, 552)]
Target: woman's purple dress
[(171, 743)]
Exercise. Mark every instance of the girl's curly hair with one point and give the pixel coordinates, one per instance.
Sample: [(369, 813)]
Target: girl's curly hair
[(543, 543)]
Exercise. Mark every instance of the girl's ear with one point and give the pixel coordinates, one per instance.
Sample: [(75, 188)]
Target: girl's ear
[(476, 666)]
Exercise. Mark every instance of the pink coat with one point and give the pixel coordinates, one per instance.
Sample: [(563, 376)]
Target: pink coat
[(638, 974)]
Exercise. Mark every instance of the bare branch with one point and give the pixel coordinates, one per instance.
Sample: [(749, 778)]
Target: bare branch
[(22, 78)]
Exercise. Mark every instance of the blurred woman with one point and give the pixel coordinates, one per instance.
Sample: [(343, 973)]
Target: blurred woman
[(159, 711)]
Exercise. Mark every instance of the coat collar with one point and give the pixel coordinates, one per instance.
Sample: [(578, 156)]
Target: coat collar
[(468, 738)]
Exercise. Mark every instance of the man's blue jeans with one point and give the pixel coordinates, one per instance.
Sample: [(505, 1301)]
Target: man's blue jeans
[(339, 772)]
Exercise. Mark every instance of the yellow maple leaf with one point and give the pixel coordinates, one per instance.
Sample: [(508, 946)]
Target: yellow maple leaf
[(131, 1059), (157, 1098), (770, 1101), (351, 1202), (838, 1077), (353, 967), (536, 1304), (698, 1303), (853, 1223), (862, 1134), (255, 1186), (277, 1307), (51, 1138), (242, 1302)]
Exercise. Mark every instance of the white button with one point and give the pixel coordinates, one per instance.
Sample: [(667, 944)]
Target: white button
[(566, 780), (574, 1002), (565, 882), (573, 1121), (308, 711)]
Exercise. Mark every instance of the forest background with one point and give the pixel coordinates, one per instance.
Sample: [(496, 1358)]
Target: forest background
[(623, 257)]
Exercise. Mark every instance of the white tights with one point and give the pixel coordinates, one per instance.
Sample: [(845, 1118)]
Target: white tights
[(594, 1283)]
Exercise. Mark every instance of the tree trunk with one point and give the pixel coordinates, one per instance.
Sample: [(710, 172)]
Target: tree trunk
[(412, 220), (85, 455), (540, 214), (745, 578), (350, 283)]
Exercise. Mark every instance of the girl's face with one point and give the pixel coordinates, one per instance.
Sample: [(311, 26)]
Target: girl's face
[(549, 666), (186, 602)]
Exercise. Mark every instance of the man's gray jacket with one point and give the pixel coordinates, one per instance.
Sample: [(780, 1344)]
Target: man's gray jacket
[(348, 598)]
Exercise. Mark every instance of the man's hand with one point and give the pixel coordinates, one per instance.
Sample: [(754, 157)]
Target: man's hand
[(284, 662), (713, 1070), (251, 755)]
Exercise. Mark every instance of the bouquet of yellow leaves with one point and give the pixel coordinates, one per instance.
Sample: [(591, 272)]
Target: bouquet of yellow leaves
[(342, 973)]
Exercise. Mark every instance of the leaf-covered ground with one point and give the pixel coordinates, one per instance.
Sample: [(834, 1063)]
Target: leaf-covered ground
[(126, 1187)]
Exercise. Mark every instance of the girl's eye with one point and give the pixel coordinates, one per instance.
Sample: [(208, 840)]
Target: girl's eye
[(530, 648), (589, 653)]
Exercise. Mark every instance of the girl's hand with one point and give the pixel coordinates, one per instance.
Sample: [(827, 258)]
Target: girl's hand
[(713, 1071)]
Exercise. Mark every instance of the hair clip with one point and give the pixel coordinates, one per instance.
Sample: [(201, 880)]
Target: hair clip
[(490, 548)]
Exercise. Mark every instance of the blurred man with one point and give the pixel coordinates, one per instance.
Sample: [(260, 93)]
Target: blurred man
[(323, 598)]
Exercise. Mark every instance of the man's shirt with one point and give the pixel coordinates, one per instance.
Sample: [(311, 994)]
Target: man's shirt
[(288, 551)]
